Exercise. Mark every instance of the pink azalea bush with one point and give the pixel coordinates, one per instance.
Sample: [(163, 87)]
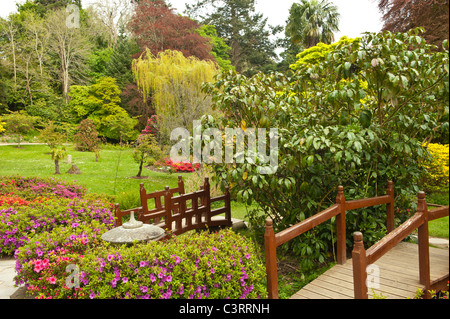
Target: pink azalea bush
[(208, 265), (31, 205), (41, 263), (49, 228), (19, 223), (35, 187)]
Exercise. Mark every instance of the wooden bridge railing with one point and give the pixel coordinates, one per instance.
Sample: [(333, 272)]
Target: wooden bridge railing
[(173, 212), (272, 240), (361, 258)]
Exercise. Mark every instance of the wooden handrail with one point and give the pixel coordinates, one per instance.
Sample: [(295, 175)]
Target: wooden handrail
[(440, 212), (362, 258), (367, 202), (272, 240), (377, 250), (305, 225)]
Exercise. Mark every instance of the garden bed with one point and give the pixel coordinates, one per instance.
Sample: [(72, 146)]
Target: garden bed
[(50, 230)]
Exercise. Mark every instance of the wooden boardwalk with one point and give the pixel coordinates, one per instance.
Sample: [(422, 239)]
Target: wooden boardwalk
[(398, 273)]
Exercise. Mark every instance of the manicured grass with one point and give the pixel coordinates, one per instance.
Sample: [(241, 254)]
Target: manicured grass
[(112, 174), (98, 177), (439, 228)]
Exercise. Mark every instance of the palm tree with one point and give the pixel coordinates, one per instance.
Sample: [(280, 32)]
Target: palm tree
[(312, 21), (58, 154)]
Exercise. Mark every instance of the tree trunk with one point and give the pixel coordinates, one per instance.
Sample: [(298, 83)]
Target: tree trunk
[(57, 167), (140, 169)]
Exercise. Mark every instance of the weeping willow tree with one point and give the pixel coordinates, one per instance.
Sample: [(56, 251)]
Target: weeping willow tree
[(174, 83)]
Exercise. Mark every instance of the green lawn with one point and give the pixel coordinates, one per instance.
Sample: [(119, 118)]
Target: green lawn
[(111, 175)]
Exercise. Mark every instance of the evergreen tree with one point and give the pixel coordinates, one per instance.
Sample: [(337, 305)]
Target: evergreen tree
[(244, 30)]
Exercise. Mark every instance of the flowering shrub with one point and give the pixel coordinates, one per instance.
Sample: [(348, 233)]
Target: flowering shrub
[(152, 126), (19, 223), (34, 187), (437, 167), (179, 167), (219, 265)]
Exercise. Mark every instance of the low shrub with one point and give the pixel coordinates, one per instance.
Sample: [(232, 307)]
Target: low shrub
[(19, 223), (209, 265), (46, 256), (34, 187), (436, 165)]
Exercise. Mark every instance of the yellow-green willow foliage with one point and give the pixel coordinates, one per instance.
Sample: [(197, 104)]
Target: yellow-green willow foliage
[(175, 83)]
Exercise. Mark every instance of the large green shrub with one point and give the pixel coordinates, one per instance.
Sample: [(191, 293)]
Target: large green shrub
[(356, 117)]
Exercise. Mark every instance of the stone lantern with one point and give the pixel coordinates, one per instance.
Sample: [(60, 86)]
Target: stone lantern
[(133, 231)]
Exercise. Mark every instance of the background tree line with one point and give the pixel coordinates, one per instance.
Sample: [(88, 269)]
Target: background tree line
[(64, 74)]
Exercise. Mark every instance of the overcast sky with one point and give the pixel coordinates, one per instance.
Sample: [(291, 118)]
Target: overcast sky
[(357, 16)]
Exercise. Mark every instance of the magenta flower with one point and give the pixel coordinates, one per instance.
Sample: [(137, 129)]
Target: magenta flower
[(144, 289), (213, 270), (52, 280)]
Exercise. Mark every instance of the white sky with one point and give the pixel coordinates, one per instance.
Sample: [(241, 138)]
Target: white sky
[(357, 16)]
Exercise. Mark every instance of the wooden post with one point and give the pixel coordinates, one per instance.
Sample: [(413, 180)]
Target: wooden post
[(227, 205), (390, 212), (181, 191), (207, 201), (143, 195), (168, 208), (271, 260), (359, 260), (424, 249), (341, 247), (118, 219), (180, 184)]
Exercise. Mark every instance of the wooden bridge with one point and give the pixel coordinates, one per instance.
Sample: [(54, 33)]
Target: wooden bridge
[(389, 269)]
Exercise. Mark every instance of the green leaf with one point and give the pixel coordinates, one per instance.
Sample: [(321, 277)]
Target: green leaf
[(365, 118)]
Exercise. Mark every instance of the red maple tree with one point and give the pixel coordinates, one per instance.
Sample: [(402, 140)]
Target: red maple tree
[(158, 28), (402, 15)]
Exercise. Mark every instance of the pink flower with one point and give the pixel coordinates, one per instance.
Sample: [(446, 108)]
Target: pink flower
[(38, 265), (52, 280)]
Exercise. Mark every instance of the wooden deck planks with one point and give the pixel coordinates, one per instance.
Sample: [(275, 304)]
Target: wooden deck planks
[(398, 275)]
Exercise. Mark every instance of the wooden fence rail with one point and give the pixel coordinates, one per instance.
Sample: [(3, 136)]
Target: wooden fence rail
[(272, 240)]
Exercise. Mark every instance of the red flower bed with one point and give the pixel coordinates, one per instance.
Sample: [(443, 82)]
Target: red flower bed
[(182, 167), (11, 199)]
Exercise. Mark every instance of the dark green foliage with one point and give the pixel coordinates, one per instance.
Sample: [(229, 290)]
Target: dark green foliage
[(357, 118)]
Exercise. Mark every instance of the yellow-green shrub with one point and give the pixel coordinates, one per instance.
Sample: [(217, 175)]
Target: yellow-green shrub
[(437, 167)]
